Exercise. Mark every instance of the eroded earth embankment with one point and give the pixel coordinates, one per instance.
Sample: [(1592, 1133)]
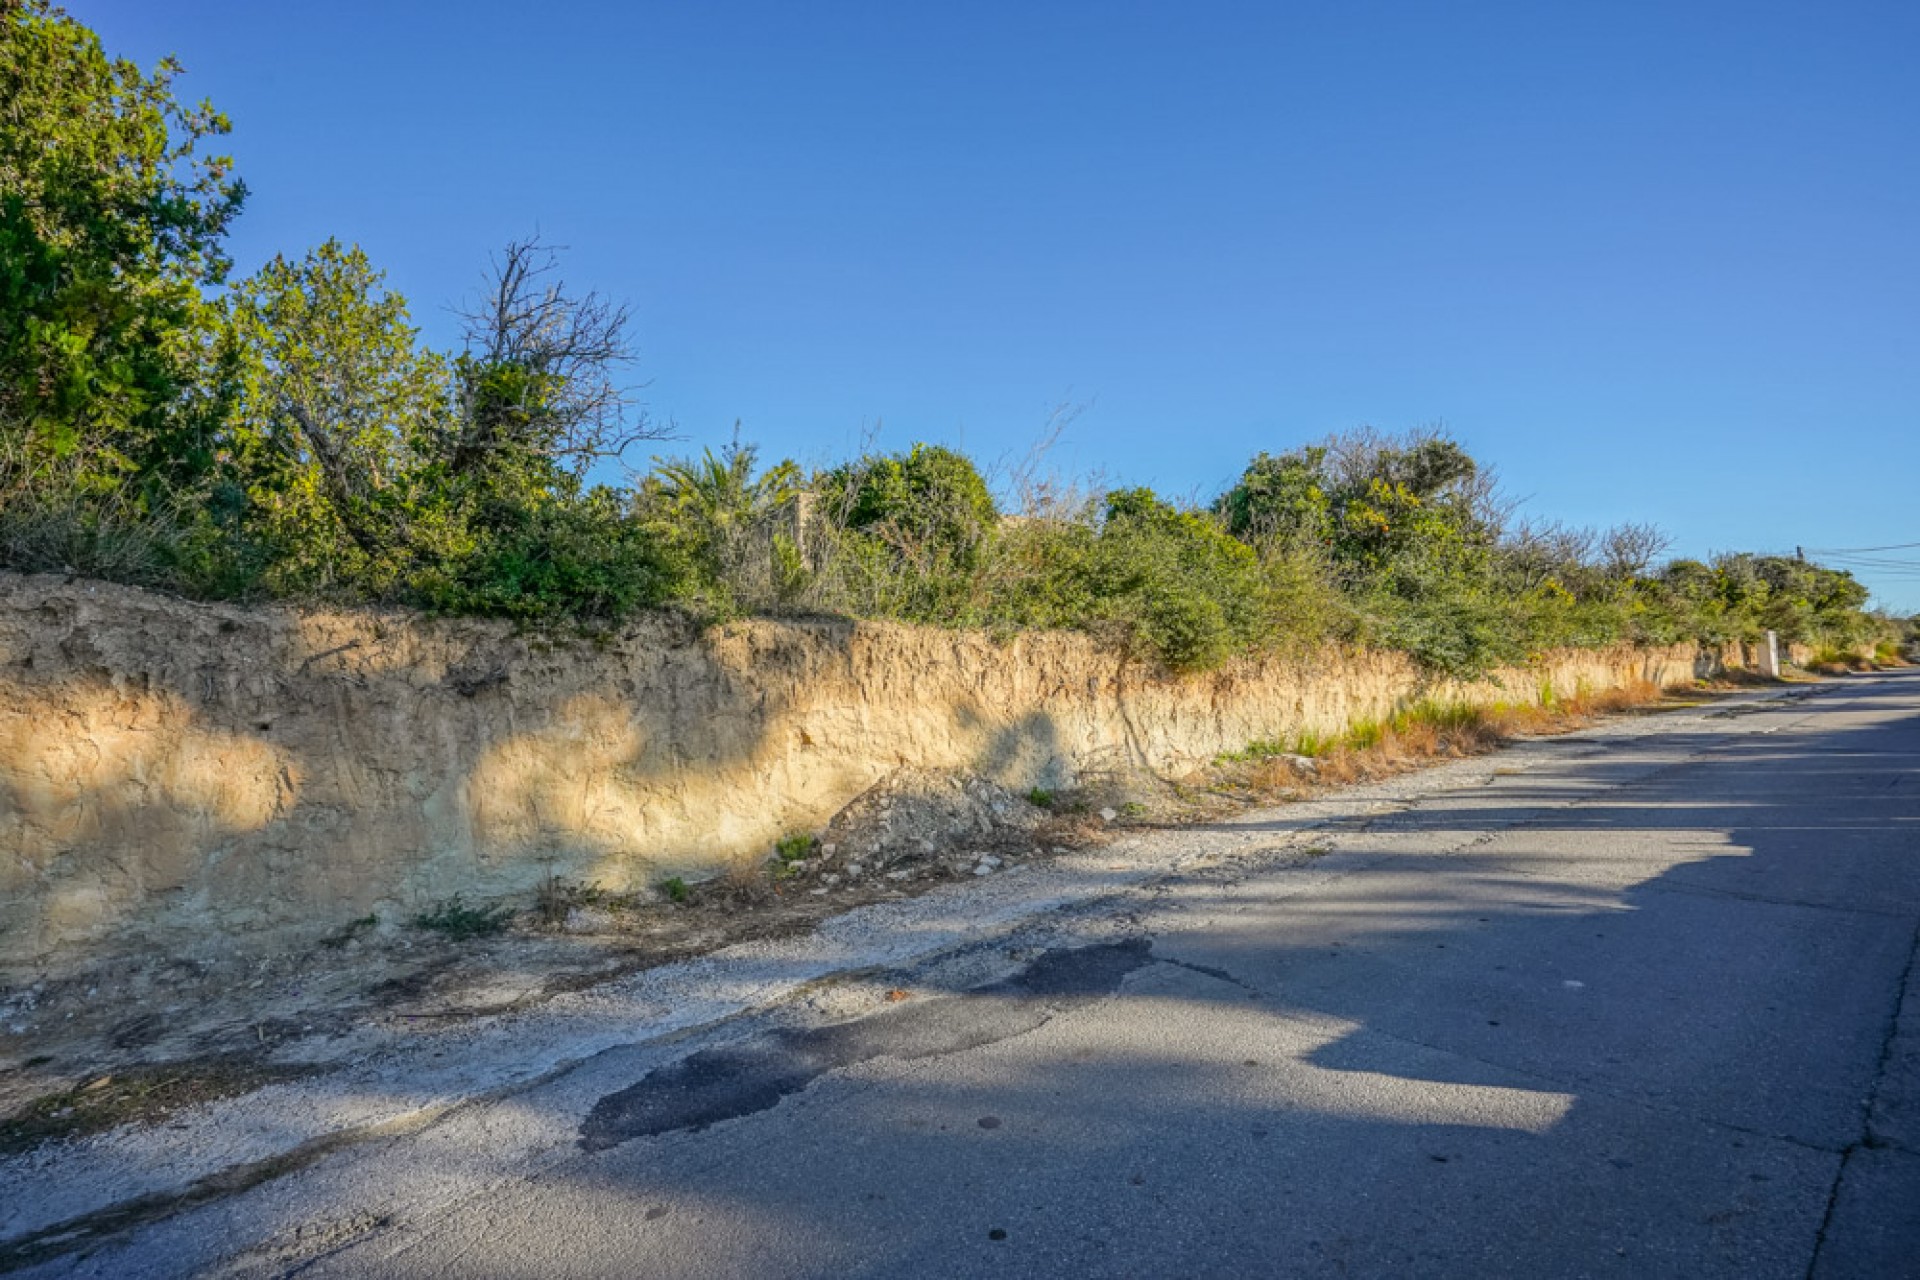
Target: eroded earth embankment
[(177, 776)]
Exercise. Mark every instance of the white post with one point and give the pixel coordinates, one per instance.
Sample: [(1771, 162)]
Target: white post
[(1770, 657)]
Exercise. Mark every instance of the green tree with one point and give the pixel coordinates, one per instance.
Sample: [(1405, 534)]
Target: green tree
[(337, 407), (111, 223)]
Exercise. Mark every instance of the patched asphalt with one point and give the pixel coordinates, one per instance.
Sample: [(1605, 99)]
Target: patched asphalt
[(726, 1083)]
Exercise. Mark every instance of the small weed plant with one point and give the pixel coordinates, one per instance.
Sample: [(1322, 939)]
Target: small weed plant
[(1308, 743), (1311, 743), (349, 931), (795, 848), (455, 920)]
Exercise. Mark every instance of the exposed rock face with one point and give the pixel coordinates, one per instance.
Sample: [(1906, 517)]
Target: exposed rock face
[(198, 777)]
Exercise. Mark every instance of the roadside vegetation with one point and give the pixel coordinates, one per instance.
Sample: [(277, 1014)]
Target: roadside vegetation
[(1425, 731), (289, 436)]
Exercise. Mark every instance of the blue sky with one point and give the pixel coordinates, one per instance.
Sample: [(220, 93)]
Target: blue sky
[(1653, 262)]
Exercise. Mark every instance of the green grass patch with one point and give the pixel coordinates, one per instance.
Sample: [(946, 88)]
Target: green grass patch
[(1260, 749), (1443, 717), (1363, 735), (1311, 742)]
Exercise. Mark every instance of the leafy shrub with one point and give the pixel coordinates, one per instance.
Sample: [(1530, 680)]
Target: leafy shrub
[(570, 557), (1173, 585), (1282, 498), (723, 519), (795, 848), (928, 503), (902, 536)]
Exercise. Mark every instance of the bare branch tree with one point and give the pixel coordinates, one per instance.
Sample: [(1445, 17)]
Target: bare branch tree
[(1626, 550), (1035, 487), (541, 372), (1534, 551)]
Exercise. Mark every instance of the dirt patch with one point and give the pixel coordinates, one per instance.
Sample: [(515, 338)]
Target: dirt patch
[(144, 1095)]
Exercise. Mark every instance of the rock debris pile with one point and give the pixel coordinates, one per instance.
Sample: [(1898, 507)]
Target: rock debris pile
[(917, 821)]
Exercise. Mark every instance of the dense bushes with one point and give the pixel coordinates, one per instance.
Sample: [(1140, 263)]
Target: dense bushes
[(1396, 542), (1173, 584), (929, 504), (288, 436), (731, 531)]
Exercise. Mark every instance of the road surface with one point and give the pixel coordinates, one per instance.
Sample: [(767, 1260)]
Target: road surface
[(1633, 1004)]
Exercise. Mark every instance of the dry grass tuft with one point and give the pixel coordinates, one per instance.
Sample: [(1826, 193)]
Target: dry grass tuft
[(744, 884), (1425, 731)]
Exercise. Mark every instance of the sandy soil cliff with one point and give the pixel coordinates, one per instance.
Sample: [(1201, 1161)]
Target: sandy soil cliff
[(186, 776)]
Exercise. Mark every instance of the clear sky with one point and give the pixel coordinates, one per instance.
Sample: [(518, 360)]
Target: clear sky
[(1653, 261)]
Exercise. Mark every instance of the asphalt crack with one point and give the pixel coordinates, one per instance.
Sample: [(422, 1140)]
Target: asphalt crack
[(1211, 971), (1868, 1105), (1770, 900)]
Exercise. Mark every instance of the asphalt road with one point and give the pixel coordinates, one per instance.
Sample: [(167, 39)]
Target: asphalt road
[(1645, 1006)]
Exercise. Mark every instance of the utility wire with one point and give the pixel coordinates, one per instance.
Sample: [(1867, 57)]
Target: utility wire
[(1874, 559), (1868, 562), (1847, 551)]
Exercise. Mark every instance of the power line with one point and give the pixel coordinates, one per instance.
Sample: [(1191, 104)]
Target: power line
[(1871, 559), (1847, 551), (1861, 562)]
